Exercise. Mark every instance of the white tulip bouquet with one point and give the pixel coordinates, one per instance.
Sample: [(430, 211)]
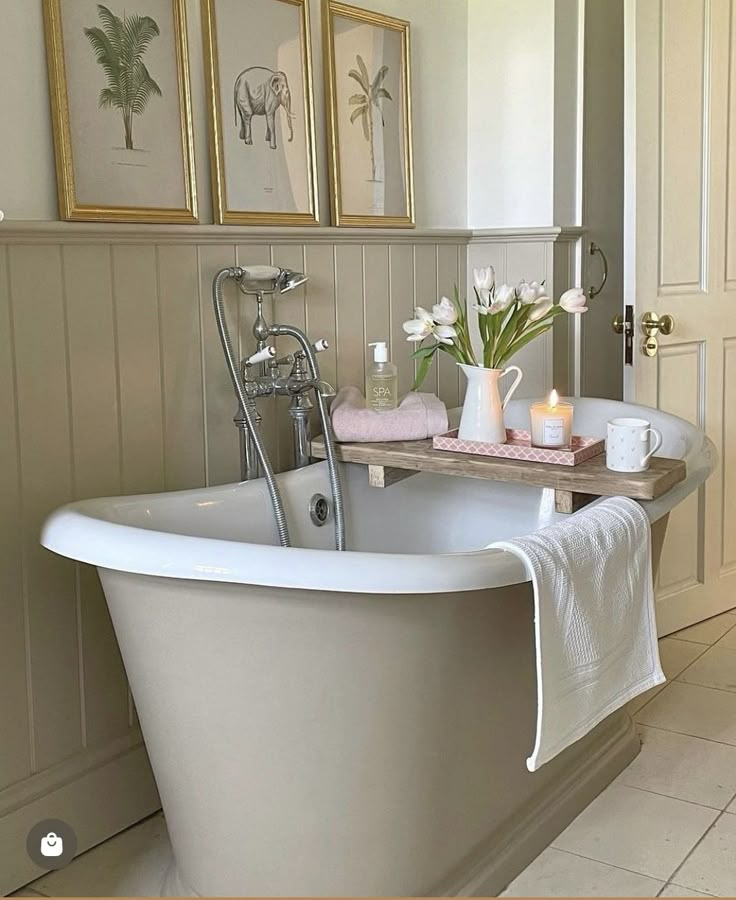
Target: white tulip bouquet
[(509, 317)]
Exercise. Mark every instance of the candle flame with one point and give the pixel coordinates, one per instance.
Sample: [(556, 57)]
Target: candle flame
[(554, 399)]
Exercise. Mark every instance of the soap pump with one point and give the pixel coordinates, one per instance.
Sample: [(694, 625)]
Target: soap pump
[(381, 380)]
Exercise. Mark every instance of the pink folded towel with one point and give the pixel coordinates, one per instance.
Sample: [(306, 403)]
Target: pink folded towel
[(417, 417)]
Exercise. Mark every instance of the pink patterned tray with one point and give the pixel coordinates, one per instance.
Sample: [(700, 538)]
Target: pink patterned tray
[(518, 446)]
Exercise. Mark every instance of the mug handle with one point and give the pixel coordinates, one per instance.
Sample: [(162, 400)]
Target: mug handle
[(514, 386), (657, 443)]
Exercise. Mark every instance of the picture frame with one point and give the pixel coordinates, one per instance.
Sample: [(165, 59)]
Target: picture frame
[(261, 176), (367, 62), (123, 154)]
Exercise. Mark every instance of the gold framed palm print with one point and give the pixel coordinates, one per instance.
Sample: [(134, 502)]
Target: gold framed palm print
[(261, 112), (121, 110), (368, 88)]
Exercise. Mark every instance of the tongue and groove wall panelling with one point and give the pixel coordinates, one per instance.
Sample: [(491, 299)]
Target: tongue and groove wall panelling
[(15, 760), (425, 295), (319, 262), (449, 259), (181, 367), (401, 273), (135, 292), (221, 442), (350, 321), (97, 461), (49, 583)]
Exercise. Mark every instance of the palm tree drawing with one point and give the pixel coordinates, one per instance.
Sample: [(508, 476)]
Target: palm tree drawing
[(373, 91), (119, 47)]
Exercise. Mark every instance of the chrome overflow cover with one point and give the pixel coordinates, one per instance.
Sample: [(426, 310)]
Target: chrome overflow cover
[(319, 510)]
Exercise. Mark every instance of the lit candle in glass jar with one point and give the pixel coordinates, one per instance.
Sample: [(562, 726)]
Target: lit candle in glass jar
[(551, 423)]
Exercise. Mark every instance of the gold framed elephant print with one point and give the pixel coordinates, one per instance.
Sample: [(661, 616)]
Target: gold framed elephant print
[(121, 111), (259, 80), (368, 89)]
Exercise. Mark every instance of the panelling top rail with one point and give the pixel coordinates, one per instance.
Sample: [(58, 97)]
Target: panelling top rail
[(34, 232)]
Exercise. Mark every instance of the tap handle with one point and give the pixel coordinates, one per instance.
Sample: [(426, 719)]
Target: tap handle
[(321, 345), (261, 356)]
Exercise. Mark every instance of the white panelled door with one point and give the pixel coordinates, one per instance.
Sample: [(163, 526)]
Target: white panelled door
[(681, 260)]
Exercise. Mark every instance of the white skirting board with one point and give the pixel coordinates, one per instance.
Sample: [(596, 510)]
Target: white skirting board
[(99, 802)]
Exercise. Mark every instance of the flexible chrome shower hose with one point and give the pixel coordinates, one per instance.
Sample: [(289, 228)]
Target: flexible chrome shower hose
[(335, 484), (232, 365)]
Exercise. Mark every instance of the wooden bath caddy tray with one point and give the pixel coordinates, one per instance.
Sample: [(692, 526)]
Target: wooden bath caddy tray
[(574, 486)]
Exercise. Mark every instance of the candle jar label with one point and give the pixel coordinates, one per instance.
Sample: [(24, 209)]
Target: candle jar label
[(554, 432)]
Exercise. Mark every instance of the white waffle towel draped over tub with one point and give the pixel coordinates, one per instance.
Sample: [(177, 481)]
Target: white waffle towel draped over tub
[(596, 637)]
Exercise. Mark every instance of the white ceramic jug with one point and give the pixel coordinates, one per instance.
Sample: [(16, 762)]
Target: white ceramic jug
[(482, 418)]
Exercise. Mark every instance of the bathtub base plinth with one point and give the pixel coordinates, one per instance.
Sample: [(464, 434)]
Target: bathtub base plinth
[(527, 833), (532, 828)]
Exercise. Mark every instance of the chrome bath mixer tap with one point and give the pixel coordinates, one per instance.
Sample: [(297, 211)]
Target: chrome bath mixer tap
[(261, 375)]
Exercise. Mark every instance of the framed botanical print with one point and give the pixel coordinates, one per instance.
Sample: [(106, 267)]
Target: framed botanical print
[(120, 103), (257, 55), (368, 87)]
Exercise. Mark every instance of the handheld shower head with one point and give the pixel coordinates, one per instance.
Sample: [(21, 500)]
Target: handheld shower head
[(290, 280), (269, 280)]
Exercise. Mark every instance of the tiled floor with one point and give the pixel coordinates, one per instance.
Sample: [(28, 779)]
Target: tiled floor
[(666, 827)]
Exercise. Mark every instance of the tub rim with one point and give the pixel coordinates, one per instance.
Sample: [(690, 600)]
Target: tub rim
[(75, 533), (82, 532)]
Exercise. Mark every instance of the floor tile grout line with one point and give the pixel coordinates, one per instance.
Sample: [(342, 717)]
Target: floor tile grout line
[(684, 733), (636, 787), (671, 637), (697, 737), (696, 845), (697, 684), (702, 653), (724, 636), (678, 635), (674, 884), (676, 677), (670, 681), (698, 657), (668, 878), (675, 637), (601, 862)]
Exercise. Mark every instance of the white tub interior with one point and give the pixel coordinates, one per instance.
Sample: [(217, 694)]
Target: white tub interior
[(404, 518)]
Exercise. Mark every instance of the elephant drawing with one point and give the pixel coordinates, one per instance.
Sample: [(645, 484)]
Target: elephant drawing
[(259, 92)]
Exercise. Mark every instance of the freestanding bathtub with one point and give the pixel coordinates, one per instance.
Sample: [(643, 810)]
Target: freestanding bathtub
[(356, 723)]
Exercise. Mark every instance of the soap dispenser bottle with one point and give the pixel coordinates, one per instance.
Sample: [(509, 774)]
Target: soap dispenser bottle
[(381, 380)]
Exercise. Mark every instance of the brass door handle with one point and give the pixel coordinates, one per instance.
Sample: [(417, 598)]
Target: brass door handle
[(653, 324)]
